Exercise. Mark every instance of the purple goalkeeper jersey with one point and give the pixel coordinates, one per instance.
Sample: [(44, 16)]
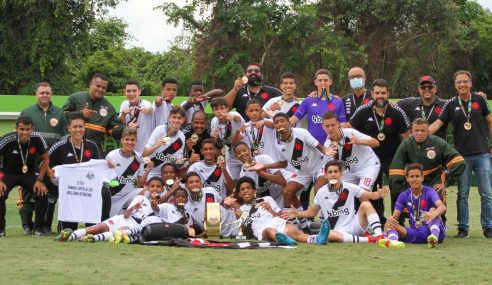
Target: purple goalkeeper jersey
[(415, 206), (314, 108)]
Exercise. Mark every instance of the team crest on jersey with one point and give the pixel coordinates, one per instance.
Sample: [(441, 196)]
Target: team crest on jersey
[(87, 153), (90, 175), (134, 166), (53, 122), (297, 159), (431, 154), (475, 106), (438, 110), (103, 111), (388, 121), (32, 150)]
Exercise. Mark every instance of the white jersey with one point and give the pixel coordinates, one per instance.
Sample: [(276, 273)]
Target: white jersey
[(301, 152), (161, 114), (170, 152), (338, 206), (226, 131), (145, 121), (195, 107), (171, 214), (80, 187), (197, 209), (355, 157), (211, 176), (145, 208), (265, 187), (263, 139), (288, 107), (259, 218), (127, 170)]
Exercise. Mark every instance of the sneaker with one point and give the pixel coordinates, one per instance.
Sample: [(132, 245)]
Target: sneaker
[(432, 241), (2, 233), (64, 235), (487, 233), (324, 231), (284, 239), (373, 239), (461, 233), (385, 243), (27, 230), (39, 233)]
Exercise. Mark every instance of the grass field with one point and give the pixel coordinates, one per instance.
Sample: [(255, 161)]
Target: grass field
[(28, 260)]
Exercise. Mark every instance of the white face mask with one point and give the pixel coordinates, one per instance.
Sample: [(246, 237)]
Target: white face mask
[(357, 83)]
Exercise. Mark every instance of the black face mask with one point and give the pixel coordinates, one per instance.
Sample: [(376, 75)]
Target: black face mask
[(378, 104), (254, 80)]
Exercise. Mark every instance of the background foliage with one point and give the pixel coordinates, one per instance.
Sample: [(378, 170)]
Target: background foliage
[(65, 42)]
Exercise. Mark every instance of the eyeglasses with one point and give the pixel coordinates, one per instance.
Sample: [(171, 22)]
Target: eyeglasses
[(462, 82), (255, 70), (426, 87)]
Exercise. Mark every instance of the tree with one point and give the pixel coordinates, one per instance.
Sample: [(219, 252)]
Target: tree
[(37, 37)]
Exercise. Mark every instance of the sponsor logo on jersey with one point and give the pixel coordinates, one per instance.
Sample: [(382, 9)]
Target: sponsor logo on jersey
[(337, 213)]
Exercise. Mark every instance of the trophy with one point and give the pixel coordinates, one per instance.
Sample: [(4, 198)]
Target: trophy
[(212, 219), (244, 217)]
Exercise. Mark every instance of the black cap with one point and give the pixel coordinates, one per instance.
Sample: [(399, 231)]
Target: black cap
[(427, 78)]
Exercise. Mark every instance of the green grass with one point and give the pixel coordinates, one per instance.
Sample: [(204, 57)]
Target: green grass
[(40, 260)]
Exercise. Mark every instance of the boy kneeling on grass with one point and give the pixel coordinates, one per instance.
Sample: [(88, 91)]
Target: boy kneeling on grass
[(424, 208)]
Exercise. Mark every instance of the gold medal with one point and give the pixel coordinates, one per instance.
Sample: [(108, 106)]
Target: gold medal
[(381, 137), (255, 152), (166, 140), (169, 182), (24, 168), (246, 165), (194, 137), (280, 103), (245, 79), (220, 159), (334, 144), (467, 126), (146, 159)]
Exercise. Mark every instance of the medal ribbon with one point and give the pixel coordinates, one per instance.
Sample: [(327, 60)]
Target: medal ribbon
[(136, 112), (430, 112), (463, 108), (24, 160), (75, 152), (380, 125), (416, 209), (255, 135)]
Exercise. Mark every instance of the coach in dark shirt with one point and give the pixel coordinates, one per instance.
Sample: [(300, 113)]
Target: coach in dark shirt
[(243, 91)]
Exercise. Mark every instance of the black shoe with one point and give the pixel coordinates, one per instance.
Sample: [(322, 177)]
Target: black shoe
[(39, 233), (48, 231), (487, 233), (462, 233), (2, 233), (27, 230)]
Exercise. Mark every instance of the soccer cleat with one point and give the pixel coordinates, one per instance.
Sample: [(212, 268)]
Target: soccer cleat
[(373, 239), (2, 233), (87, 238), (487, 233), (385, 243), (432, 241), (284, 239), (64, 235), (119, 237), (39, 232), (324, 231)]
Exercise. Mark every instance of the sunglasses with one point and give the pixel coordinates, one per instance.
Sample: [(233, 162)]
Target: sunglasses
[(426, 87)]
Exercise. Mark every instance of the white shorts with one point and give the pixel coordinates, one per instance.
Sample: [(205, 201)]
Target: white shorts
[(353, 228), (117, 222), (122, 200), (276, 223), (151, 220), (365, 178), (305, 179), (234, 167)]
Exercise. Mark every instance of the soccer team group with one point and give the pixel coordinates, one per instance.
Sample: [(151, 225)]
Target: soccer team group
[(257, 162)]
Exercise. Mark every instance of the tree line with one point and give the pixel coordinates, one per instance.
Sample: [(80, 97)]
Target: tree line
[(65, 42)]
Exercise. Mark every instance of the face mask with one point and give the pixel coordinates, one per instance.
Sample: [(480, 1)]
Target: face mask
[(357, 83)]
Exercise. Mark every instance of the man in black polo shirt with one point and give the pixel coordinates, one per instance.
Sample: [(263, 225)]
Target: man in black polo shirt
[(427, 106), (359, 94), (250, 87), (389, 125), (470, 115), (19, 150)]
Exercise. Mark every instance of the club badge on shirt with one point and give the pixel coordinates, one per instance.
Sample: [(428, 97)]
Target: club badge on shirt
[(103, 112), (53, 122)]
